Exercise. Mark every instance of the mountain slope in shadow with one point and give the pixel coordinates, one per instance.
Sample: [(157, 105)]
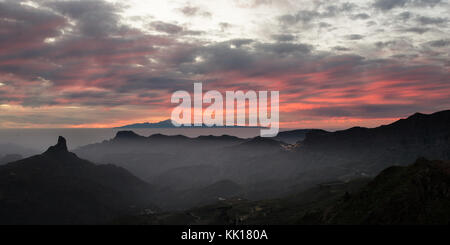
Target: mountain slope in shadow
[(370, 150), (416, 194), (294, 136), (57, 187), (10, 158)]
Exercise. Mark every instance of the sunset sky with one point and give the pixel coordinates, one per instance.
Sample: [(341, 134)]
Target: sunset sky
[(336, 64)]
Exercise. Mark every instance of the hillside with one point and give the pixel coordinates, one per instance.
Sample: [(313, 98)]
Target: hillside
[(416, 194), (57, 187)]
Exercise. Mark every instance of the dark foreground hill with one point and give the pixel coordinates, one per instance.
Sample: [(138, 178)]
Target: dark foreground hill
[(57, 187), (416, 194)]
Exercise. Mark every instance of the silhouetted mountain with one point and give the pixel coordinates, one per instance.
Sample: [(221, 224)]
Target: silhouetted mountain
[(294, 136), (373, 149), (417, 194), (150, 156), (127, 135), (10, 158), (57, 187), (257, 146), (163, 124), (261, 141), (168, 124), (60, 149), (416, 129), (222, 138)]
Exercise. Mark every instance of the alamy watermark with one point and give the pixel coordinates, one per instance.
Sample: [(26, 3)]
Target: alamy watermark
[(239, 107)]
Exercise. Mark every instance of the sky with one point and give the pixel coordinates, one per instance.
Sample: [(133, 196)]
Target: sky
[(337, 64)]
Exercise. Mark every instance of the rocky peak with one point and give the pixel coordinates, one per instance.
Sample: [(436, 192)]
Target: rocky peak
[(60, 147)]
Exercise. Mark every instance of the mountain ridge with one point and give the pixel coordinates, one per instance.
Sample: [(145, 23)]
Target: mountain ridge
[(168, 124), (57, 187)]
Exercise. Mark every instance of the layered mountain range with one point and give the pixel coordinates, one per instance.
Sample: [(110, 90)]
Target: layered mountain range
[(321, 178), (268, 167)]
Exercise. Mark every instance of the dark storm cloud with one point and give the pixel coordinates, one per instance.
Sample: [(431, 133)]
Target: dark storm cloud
[(361, 16), (389, 4), (191, 11), (173, 29), (241, 42), (6, 98), (385, 44), (85, 94), (141, 83), (219, 57), (423, 20), (94, 18), (76, 57), (166, 27), (404, 16), (23, 16), (418, 30), (324, 25), (386, 5), (253, 59), (44, 119), (286, 48), (340, 48), (370, 23), (23, 27), (365, 111), (354, 37), (306, 16), (192, 33), (439, 43), (425, 3), (284, 37), (265, 60), (38, 101)]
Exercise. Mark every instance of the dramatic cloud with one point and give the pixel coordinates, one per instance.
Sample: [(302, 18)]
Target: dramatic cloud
[(418, 30), (361, 16), (439, 43), (390, 4), (105, 63), (166, 27), (284, 37), (423, 20), (354, 37)]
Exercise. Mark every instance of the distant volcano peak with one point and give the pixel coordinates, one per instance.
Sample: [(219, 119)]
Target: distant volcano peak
[(60, 147), (127, 135)]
